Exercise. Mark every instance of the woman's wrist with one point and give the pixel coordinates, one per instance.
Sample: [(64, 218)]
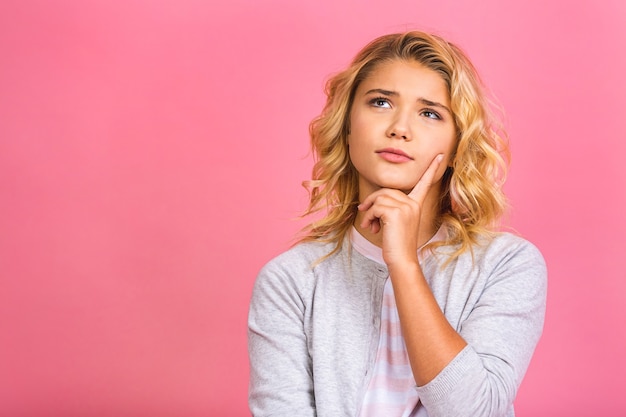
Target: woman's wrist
[(408, 269)]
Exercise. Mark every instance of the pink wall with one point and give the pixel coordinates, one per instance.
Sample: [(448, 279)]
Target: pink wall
[(151, 155)]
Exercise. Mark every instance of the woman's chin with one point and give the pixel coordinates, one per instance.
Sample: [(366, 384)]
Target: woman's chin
[(401, 186)]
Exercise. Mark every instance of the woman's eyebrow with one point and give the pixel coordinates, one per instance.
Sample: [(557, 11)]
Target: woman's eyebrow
[(383, 92), (433, 104)]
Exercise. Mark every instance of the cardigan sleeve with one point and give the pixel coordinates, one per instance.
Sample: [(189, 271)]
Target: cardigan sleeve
[(501, 332), (280, 365)]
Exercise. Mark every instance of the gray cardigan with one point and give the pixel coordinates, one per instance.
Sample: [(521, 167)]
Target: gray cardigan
[(313, 330)]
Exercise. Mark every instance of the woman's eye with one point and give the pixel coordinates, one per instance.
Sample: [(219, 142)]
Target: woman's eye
[(431, 114), (380, 102)]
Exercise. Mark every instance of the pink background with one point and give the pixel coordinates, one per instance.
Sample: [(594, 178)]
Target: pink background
[(151, 154)]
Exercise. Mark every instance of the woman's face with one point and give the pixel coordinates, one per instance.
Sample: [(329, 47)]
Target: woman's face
[(399, 122)]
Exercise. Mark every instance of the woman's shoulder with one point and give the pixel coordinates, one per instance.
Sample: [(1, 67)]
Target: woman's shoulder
[(509, 251), (513, 244), (302, 253), (297, 263), (494, 245)]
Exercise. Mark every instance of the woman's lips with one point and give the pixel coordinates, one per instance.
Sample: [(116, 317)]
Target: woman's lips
[(394, 155)]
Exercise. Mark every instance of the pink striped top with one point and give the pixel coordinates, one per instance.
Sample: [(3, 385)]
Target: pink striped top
[(391, 391)]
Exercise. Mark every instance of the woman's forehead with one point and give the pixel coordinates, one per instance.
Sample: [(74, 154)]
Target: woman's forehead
[(406, 78)]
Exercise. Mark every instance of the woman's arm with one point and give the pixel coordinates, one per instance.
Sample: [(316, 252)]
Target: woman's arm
[(432, 343), (280, 369)]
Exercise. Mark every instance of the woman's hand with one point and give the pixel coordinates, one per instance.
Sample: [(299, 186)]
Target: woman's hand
[(398, 215)]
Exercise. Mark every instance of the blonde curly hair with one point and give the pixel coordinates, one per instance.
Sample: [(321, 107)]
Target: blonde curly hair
[(471, 199)]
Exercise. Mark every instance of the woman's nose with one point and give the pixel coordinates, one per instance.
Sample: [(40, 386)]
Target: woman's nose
[(399, 130), (402, 135)]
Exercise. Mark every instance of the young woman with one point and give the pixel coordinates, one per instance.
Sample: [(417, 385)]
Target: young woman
[(402, 300)]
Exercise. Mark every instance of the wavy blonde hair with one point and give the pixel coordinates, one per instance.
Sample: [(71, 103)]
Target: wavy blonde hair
[(471, 198)]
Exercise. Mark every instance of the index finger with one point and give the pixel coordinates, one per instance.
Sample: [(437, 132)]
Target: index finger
[(418, 193)]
